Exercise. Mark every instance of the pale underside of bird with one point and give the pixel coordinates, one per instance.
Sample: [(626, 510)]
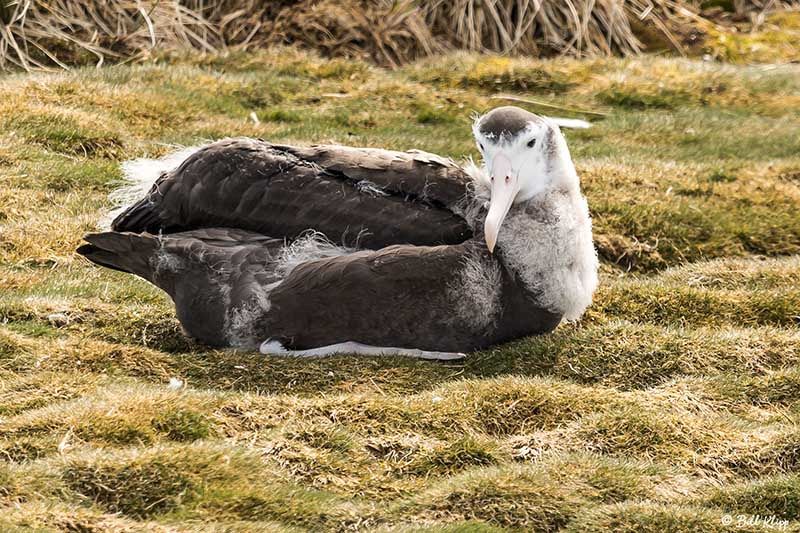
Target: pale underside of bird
[(310, 251)]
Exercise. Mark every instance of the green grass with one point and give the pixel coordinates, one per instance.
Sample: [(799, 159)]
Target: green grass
[(673, 403)]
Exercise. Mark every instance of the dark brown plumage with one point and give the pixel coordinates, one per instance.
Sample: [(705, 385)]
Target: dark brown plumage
[(208, 273), (396, 258), (506, 121), (391, 297), (348, 194)]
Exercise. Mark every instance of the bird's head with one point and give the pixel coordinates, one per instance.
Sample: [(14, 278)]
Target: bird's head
[(524, 155)]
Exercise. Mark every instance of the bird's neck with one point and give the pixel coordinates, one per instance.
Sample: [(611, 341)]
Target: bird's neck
[(531, 240), (546, 244)]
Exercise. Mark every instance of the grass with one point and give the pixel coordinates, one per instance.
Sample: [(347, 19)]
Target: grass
[(56, 33), (674, 402)]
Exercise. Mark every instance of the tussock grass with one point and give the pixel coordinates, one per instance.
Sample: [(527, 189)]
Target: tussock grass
[(764, 45), (703, 307), (465, 526), (541, 497), (753, 294), (769, 450), (634, 356), (38, 34), (138, 488), (223, 483), (772, 388), (39, 517), (453, 457), (640, 432), (65, 134), (21, 392), (671, 403), (649, 517), (121, 416), (14, 351), (498, 407), (778, 496)]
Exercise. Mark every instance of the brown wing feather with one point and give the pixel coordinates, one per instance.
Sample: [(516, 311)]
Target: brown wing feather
[(395, 297), (424, 175), (283, 191)]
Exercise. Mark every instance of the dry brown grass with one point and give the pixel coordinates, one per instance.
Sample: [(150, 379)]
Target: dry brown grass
[(58, 33), (42, 34)]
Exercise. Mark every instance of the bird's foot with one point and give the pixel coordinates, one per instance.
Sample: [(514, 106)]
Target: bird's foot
[(272, 347)]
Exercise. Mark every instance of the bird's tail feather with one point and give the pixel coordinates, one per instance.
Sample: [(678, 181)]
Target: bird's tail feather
[(127, 252)]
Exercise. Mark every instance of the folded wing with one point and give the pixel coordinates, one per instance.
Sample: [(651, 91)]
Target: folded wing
[(367, 198), (237, 288), (399, 296)]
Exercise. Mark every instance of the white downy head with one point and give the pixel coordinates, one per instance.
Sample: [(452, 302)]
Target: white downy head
[(524, 155)]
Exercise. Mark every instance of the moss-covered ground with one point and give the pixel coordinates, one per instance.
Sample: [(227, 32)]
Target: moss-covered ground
[(674, 405)]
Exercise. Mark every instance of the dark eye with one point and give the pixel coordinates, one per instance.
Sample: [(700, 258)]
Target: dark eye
[(481, 146), (531, 143)]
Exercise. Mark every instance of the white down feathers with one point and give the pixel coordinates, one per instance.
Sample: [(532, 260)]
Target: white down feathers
[(548, 242)]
